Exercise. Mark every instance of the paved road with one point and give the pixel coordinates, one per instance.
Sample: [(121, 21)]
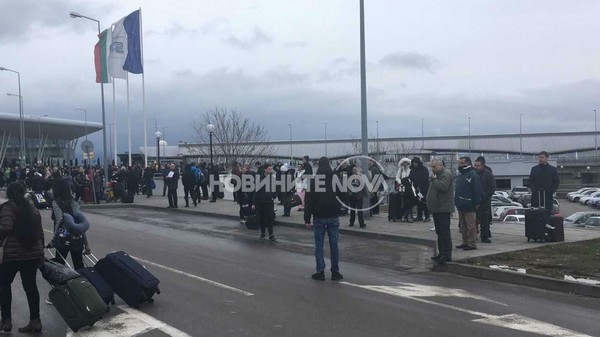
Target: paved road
[(218, 279)]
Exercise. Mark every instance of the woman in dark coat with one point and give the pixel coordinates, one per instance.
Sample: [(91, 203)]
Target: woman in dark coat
[(23, 238)]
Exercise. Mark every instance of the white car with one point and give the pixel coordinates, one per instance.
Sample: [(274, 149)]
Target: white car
[(584, 200), (515, 218), (502, 194), (578, 219), (581, 190), (576, 197), (500, 210)]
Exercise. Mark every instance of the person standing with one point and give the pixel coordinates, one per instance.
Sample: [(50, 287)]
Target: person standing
[(23, 239), (322, 205), (149, 180), (543, 182), (440, 200), (263, 202), (403, 173), (488, 186), (188, 179), (467, 197), (378, 180), (165, 172), (300, 182), (308, 169), (172, 181), (204, 182), (215, 183), (356, 194), (419, 175)]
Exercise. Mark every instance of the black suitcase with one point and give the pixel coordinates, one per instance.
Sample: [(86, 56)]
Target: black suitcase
[(555, 230), (395, 206), (127, 198), (252, 223), (536, 220), (90, 273), (129, 279)]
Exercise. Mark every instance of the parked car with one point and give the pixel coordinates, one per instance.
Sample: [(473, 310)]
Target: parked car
[(515, 218), (581, 190), (592, 223), (584, 200), (502, 194), (575, 197), (580, 218), (500, 200), (512, 211), (517, 191), (499, 210)]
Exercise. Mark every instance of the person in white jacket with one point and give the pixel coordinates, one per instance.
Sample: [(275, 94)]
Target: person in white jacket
[(403, 172), (300, 185)]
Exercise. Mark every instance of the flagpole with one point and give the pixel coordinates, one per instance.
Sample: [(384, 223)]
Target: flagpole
[(144, 92), (128, 122), (114, 121)]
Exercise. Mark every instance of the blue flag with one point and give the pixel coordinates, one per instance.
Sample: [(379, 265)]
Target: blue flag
[(133, 62)]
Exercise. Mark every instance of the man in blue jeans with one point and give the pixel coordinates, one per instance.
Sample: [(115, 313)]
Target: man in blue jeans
[(322, 204)]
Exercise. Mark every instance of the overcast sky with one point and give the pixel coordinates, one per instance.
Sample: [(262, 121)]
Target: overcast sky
[(284, 61)]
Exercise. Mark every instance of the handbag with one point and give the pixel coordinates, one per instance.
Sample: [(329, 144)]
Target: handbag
[(292, 201)]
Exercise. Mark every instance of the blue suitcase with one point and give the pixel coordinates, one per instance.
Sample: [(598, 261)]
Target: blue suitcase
[(92, 275), (129, 279)]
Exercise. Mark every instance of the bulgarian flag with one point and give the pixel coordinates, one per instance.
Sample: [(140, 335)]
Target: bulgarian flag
[(101, 52)]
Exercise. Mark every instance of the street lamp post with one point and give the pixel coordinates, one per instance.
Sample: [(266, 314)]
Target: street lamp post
[(21, 120), (588, 175), (469, 136), (422, 133), (210, 128), (105, 149), (157, 134), (291, 153), (164, 137), (325, 138), (596, 132), (521, 134)]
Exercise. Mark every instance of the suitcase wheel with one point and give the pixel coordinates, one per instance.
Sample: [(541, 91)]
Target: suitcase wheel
[(158, 291)]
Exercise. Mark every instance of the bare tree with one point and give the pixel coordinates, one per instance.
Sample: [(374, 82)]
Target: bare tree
[(235, 137)]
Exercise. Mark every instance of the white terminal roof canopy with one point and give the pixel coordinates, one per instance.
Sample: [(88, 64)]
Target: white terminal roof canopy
[(55, 128)]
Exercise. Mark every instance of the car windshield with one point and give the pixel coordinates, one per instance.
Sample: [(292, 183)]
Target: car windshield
[(574, 216), (593, 222)]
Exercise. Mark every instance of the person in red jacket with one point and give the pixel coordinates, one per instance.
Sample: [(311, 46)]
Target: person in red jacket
[(22, 235)]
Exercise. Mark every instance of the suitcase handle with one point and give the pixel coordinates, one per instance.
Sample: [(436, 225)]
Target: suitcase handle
[(57, 252), (92, 258)]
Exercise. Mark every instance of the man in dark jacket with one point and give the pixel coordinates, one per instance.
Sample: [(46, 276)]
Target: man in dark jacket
[(467, 197), (323, 205), (440, 203), (488, 186), (543, 181), (419, 175), (263, 201), (172, 181), (188, 179), (308, 170)]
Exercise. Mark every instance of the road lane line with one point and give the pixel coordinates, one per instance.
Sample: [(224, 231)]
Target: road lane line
[(196, 277), (510, 321), (153, 322)]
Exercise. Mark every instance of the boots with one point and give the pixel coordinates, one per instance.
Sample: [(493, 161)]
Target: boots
[(34, 325), (6, 325)]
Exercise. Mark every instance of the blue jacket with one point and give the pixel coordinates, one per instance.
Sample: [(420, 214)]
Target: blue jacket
[(467, 190)]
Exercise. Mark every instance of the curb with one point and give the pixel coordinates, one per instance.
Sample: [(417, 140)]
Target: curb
[(534, 281), (379, 236)]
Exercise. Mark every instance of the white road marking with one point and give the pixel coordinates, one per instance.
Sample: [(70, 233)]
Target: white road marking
[(195, 277), (511, 321), (130, 323)]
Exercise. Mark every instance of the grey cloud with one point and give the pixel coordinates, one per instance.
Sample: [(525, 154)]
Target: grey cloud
[(30, 17), (257, 39), (208, 27), (296, 44), (409, 60), (339, 69), (284, 75)]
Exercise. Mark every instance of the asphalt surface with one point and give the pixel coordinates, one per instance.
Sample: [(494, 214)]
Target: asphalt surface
[(218, 279)]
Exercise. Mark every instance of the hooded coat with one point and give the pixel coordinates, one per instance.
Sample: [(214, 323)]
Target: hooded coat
[(419, 176)]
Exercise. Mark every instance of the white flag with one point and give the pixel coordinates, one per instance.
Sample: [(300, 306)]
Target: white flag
[(118, 51)]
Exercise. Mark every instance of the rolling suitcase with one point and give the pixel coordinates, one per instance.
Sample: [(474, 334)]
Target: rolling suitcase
[(395, 206), (536, 220), (252, 223), (88, 197), (92, 275), (78, 302), (555, 230), (127, 198), (129, 279)]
